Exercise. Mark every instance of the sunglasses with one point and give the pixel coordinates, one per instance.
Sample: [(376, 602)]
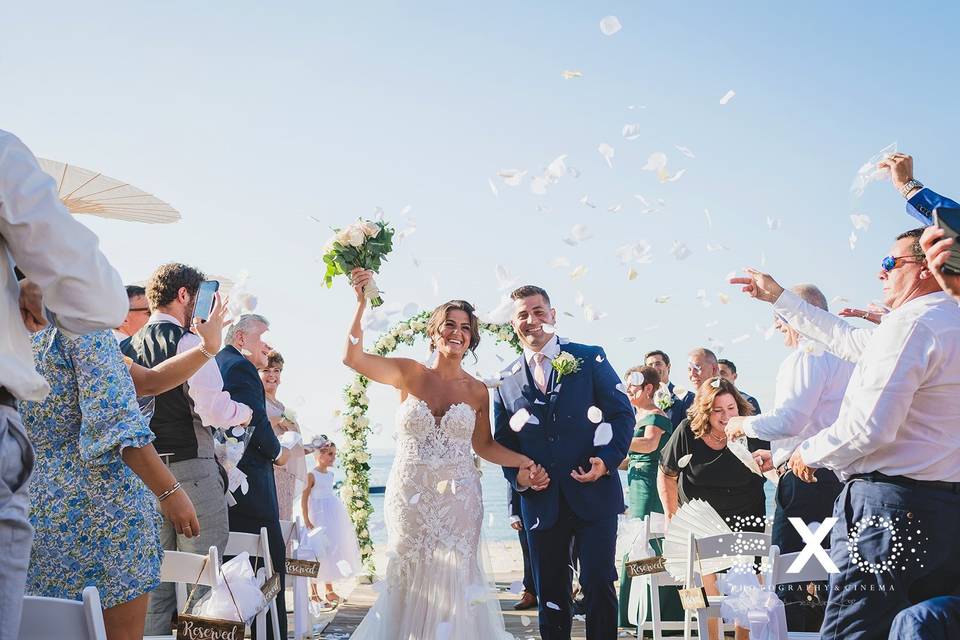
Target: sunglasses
[(890, 263)]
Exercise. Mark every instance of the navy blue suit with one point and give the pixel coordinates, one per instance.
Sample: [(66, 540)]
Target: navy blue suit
[(562, 441), (923, 202), (258, 507), (678, 410)]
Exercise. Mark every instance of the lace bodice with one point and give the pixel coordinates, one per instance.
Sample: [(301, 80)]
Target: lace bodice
[(422, 439)]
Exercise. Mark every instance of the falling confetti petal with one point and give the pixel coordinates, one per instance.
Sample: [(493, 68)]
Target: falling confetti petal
[(570, 75), (852, 240), (599, 358), (869, 172), (538, 186), (662, 299), (610, 25), (709, 219), (684, 150), (773, 223), (616, 208), (713, 248), (663, 176), (414, 499), (520, 419), (642, 200), (728, 96), (511, 177), (548, 328), (603, 435), (680, 250), (861, 221), (578, 299), (551, 605), (684, 460), (578, 271), (558, 168), (493, 187), (724, 298), (354, 339), (740, 339), (560, 262), (656, 161), (535, 524), (632, 274), (345, 568), (631, 131), (585, 200), (716, 383), (636, 379), (607, 152), (525, 621), (441, 486), (579, 233), (595, 415)]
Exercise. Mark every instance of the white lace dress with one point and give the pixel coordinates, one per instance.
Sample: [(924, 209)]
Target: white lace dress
[(435, 588)]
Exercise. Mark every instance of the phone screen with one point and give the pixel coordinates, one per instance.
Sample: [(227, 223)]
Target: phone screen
[(949, 221), (205, 299)]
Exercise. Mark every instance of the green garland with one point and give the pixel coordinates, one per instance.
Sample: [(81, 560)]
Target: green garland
[(356, 425)]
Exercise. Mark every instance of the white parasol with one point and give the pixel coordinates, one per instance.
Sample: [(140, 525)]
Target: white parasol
[(85, 191)]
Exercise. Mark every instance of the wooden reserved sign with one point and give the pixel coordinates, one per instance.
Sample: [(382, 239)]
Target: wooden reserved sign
[(646, 566), (693, 599), (271, 588), (304, 568), (197, 628)]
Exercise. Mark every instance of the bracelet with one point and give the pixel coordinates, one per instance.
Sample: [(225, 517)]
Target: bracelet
[(910, 186), (205, 352), (169, 492)]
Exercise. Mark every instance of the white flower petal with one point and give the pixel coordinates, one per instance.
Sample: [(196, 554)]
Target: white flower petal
[(538, 186), (414, 499), (603, 435), (631, 131), (773, 223), (740, 339), (595, 415), (607, 152), (684, 460), (728, 96), (861, 221), (662, 299), (656, 161), (680, 250), (548, 328), (578, 272), (557, 168), (520, 419), (632, 274), (560, 262), (551, 605), (570, 75), (585, 200), (684, 150), (610, 25), (535, 524), (852, 240), (354, 339)]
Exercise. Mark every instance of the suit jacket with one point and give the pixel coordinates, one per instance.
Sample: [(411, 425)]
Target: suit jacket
[(561, 438), (241, 381), (678, 410)]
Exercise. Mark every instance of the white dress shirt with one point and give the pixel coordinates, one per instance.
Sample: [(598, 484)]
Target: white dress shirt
[(810, 388), (56, 252), (210, 401), (902, 406)]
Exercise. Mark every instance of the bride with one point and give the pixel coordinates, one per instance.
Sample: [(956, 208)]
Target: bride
[(435, 587)]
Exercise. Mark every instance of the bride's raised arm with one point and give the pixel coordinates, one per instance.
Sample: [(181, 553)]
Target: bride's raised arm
[(392, 371)]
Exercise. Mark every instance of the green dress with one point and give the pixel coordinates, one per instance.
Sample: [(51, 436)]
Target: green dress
[(644, 500)]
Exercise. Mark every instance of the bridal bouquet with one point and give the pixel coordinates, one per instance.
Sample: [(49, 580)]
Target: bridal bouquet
[(362, 245), (228, 447)]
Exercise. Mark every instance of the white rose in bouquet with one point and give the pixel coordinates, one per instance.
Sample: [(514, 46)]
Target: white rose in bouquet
[(355, 236), (370, 229)]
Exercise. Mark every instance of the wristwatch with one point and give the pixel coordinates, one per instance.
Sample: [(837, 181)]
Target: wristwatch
[(910, 186)]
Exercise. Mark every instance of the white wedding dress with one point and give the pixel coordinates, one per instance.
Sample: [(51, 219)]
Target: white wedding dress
[(435, 587)]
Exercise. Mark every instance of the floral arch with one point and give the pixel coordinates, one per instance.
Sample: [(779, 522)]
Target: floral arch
[(356, 424)]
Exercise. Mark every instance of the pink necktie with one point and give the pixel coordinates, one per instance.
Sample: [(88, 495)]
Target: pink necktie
[(539, 377)]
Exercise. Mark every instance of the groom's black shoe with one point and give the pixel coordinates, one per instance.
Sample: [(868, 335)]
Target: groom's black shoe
[(527, 601)]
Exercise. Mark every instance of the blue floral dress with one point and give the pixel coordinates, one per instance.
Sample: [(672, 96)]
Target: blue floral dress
[(96, 522)]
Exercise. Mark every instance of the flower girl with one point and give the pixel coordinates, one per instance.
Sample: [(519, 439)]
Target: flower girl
[(332, 539)]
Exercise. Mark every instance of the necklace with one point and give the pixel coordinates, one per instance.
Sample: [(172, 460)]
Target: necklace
[(715, 438)]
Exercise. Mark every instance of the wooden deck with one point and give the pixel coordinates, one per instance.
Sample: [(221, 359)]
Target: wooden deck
[(522, 624)]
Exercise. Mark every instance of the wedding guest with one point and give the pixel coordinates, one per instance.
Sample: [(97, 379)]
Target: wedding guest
[(651, 434), (660, 361), (137, 314), (257, 507), (290, 477), (528, 598), (921, 201), (96, 522), (84, 293), (702, 364), (182, 419), (696, 464), (810, 387), (894, 442), (728, 371)]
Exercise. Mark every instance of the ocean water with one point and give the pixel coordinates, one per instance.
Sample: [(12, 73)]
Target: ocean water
[(496, 524)]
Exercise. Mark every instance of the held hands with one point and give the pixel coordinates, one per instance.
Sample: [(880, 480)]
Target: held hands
[(734, 428), (764, 459), (598, 469), (211, 330), (800, 469), (516, 525), (360, 278), (759, 285), (901, 169), (178, 509), (31, 306), (532, 475)]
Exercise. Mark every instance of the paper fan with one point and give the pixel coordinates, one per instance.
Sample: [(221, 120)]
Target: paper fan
[(85, 191), (739, 448), (699, 517)]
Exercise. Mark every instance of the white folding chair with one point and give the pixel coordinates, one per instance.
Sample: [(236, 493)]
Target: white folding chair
[(813, 571), (184, 569), (302, 620), (258, 546), (56, 619), (710, 547), (640, 585)]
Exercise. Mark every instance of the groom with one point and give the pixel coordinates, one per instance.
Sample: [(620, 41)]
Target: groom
[(559, 383)]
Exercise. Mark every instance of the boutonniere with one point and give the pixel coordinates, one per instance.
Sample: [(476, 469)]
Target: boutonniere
[(663, 398), (566, 364)]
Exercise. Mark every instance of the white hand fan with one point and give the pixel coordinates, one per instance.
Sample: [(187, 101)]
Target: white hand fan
[(703, 520), (739, 448)]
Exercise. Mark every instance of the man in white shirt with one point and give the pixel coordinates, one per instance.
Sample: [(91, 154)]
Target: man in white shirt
[(182, 420), (810, 387), (895, 442), (63, 261)]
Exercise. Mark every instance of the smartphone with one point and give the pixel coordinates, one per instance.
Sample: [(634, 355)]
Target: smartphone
[(205, 299), (949, 221)]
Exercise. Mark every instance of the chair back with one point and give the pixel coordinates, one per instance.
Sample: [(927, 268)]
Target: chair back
[(257, 545), (287, 527), (812, 571), (191, 568), (56, 619)]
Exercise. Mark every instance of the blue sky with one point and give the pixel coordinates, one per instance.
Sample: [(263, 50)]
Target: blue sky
[(250, 119)]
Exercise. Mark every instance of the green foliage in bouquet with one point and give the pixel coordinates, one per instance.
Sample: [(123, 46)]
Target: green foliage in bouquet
[(364, 245)]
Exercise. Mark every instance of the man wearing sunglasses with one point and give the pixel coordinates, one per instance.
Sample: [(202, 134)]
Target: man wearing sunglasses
[(895, 443)]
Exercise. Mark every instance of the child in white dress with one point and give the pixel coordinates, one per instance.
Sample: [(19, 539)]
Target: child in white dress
[(332, 538)]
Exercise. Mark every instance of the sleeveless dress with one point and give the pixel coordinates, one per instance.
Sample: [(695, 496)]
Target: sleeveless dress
[(333, 541), (435, 588)]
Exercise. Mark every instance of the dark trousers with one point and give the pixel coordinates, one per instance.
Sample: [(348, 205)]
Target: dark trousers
[(926, 522), (549, 555), (245, 524), (811, 502), (529, 584)]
